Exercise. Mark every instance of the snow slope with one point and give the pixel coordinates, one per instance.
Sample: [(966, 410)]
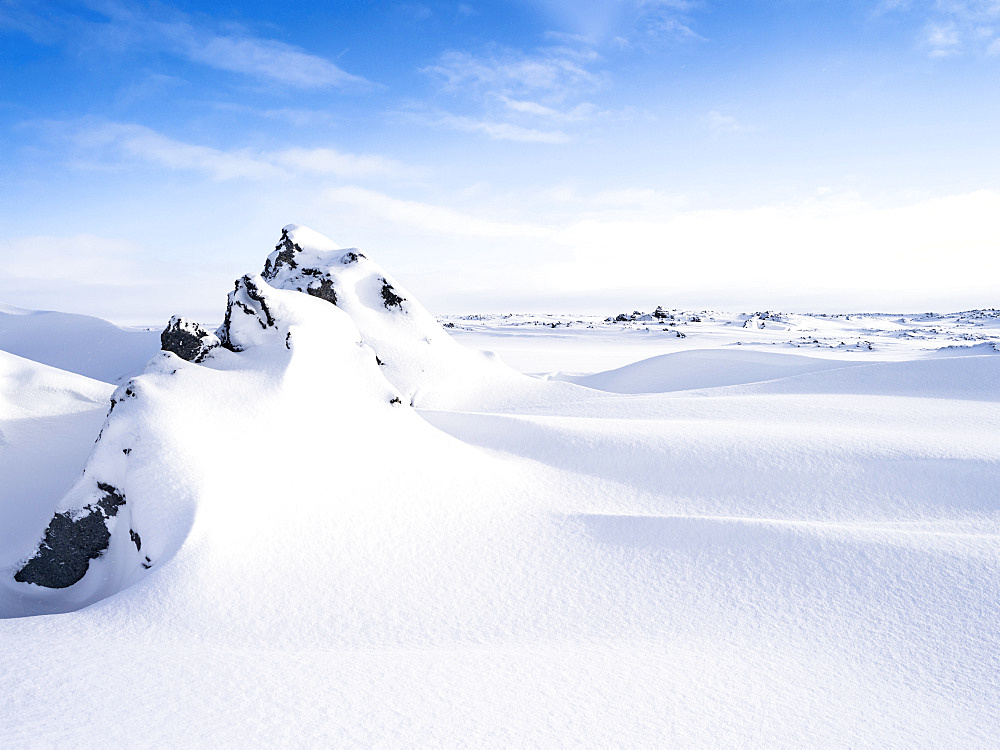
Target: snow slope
[(777, 562), (702, 368), (82, 344)]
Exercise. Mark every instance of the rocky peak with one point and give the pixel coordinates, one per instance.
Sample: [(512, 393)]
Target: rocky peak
[(282, 257), (247, 313)]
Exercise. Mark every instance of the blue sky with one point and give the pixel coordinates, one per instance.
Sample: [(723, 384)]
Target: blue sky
[(579, 156)]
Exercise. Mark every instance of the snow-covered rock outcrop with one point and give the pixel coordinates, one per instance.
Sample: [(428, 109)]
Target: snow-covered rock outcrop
[(93, 528), (279, 352), (427, 366), (187, 339), (323, 337)]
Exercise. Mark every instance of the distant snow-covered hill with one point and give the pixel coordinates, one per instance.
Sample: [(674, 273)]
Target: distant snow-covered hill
[(82, 344)]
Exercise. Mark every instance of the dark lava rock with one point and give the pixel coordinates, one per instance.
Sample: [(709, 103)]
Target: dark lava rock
[(286, 256), (324, 290), (187, 339), (253, 293), (389, 296), (70, 543)]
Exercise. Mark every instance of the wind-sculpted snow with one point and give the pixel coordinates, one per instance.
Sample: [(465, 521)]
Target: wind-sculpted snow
[(92, 548), (427, 366), (48, 421), (88, 547), (723, 547), (80, 344)]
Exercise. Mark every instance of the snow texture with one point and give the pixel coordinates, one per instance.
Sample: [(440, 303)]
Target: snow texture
[(81, 344), (705, 540)]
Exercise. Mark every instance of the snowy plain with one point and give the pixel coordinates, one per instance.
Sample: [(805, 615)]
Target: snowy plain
[(699, 529)]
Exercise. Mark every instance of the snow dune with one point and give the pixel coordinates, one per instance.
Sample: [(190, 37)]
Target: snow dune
[(81, 344), (788, 551), (702, 368)]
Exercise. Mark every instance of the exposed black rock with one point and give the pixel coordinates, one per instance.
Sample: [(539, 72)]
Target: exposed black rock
[(324, 290), (187, 339), (389, 296), (136, 540), (252, 291), (351, 257), (69, 545), (286, 256)]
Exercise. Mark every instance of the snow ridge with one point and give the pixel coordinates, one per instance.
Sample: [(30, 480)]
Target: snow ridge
[(292, 333)]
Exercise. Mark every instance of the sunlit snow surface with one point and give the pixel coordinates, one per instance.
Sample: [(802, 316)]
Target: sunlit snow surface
[(745, 536)]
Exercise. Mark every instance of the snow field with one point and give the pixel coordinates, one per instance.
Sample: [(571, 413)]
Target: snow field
[(721, 548)]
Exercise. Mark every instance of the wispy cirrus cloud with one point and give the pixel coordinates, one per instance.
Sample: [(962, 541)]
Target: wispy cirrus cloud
[(498, 130), (953, 27), (723, 123), (536, 95), (553, 73), (626, 21), (266, 59), (508, 94), (429, 217), (112, 143), (110, 26)]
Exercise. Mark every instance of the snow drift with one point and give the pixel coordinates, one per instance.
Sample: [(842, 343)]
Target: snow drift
[(81, 344), (290, 336), (514, 561)]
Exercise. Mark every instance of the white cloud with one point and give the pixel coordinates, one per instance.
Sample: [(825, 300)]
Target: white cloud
[(839, 243), (262, 58), (150, 146), (426, 217), (81, 259), (953, 27), (723, 123), (579, 113), (839, 246), (130, 26), (502, 131), (943, 40), (138, 142), (331, 162), (517, 96), (552, 73), (836, 252), (601, 20)]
